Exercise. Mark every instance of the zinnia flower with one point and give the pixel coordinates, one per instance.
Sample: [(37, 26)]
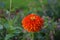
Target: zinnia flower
[(32, 23)]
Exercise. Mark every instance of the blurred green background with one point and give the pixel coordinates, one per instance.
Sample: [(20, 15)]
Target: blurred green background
[(13, 11)]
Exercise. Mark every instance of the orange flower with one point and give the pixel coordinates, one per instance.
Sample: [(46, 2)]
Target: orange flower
[(32, 23)]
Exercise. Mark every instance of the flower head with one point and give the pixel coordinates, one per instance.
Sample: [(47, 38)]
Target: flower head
[(32, 23)]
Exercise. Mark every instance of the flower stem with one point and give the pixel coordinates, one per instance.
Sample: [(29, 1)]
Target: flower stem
[(10, 8), (10, 5), (32, 36)]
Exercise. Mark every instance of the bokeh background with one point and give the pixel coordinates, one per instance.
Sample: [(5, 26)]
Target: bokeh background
[(13, 11)]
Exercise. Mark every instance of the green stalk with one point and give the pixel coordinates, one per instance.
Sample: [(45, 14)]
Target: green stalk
[(10, 5), (32, 36), (10, 8)]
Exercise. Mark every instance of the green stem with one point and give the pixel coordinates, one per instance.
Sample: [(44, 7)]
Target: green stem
[(10, 5), (10, 8), (32, 36)]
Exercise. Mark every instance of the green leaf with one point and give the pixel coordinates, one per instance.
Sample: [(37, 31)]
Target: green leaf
[(8, 36)]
